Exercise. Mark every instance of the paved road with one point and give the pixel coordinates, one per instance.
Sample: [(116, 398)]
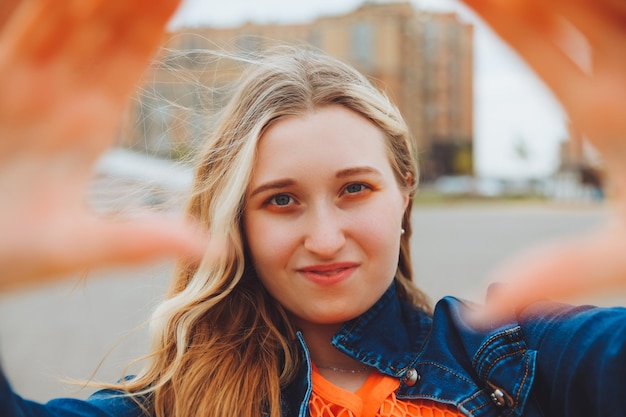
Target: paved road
[(65, 330)]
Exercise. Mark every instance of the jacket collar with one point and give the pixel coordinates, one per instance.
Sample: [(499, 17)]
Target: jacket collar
[(388, 336)]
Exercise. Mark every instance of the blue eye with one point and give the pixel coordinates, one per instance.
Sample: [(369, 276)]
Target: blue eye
[(280, 200), (355, 188)]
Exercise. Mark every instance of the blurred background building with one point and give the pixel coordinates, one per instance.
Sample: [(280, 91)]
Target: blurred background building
[(580, 163), (422, 60)]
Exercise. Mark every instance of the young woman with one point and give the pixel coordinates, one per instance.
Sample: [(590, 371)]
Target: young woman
[(303, 303)]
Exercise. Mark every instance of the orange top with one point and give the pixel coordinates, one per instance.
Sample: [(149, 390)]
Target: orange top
[(376, 398)]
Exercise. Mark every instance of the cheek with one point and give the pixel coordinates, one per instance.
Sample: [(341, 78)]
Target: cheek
[(379, 237), (378, 232), (381, 220), (269, 244)]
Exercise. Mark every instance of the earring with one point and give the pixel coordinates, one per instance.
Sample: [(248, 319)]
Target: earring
[(401, 231)]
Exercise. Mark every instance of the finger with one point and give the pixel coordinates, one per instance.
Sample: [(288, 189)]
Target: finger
[(561, 271), (534, 33), (600, 27), (99, 244), (106, 43), (77, 128), (102, 56), (530, 28), (147, 238), (611, 14), (40, 28), (592, 101), (131, 28), (36, 30), (611, 8), (7, 7), (127, 54)]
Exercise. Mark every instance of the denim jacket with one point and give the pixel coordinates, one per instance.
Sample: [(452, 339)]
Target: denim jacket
[(554, 360)]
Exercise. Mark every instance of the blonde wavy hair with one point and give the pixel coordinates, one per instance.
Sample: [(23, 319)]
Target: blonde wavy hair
[(221, 346)]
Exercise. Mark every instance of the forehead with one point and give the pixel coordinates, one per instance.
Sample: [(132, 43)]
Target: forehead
[(323, 140)]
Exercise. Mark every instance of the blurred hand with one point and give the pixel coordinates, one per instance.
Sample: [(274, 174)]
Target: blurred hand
[(578, 48), (66, 71)]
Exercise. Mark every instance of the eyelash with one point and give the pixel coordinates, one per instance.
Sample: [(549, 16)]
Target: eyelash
[(271, 201), (364, 187)]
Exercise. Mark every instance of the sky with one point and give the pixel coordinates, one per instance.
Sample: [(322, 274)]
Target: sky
[(511, 105)]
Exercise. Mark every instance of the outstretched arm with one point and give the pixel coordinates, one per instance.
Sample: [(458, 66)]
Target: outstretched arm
[(66, 71), (577, 48)]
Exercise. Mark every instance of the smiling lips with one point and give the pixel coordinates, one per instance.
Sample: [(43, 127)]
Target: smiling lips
[(330, 274)]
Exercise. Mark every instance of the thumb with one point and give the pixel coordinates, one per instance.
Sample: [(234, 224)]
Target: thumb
[(560, 271), (145, 238)]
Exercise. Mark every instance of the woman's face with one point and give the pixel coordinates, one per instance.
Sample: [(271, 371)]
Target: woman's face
[(324, 214)]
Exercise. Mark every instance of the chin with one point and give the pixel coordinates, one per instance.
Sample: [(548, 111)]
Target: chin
[(338, 318)]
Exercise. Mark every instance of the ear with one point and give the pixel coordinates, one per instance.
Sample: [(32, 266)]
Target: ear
[(408, 178)]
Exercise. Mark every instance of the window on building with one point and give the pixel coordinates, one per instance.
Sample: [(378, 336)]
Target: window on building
[(315, 38), (363, 44), (250, 43)]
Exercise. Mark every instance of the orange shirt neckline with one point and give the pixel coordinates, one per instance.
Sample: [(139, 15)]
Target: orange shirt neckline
[(365, 401)]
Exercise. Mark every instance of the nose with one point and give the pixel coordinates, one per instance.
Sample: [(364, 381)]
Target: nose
[(325, 232)]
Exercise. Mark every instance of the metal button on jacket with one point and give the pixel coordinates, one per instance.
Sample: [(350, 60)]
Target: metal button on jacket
[(410, 377), (498, 397)]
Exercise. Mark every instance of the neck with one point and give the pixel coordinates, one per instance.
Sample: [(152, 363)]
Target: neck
[(334, 366), (318, 340)]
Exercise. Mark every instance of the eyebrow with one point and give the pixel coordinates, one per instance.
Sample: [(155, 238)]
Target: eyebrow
[(288, 182), (272, 185), (349, 172)]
